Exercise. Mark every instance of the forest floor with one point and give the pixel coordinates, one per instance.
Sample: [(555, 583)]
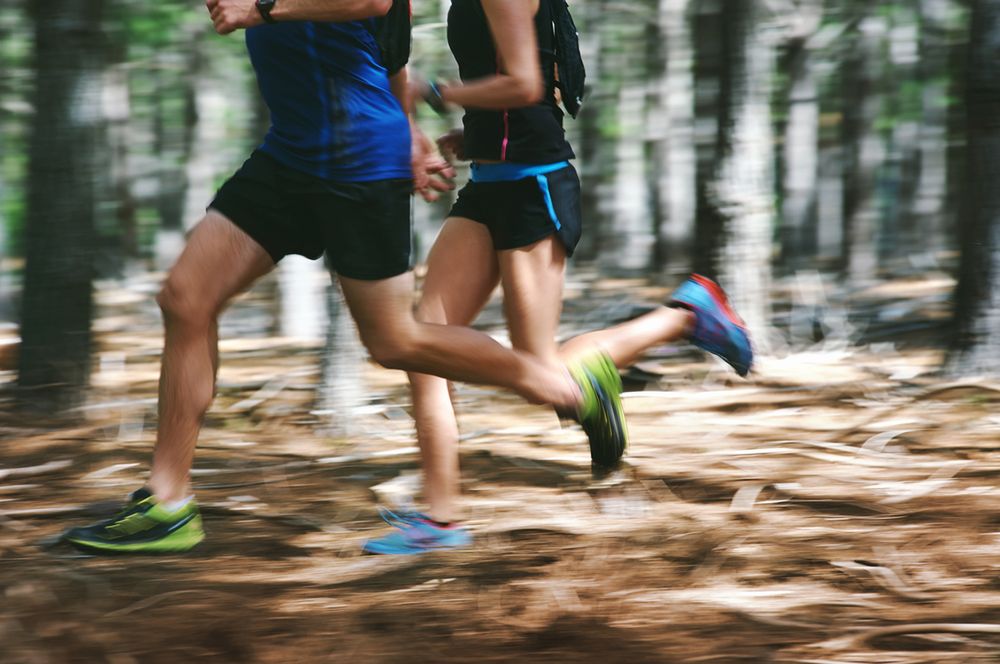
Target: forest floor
[(840, 506)]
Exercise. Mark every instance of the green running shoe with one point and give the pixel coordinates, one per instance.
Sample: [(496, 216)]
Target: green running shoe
[(601, 413), (143, 526)]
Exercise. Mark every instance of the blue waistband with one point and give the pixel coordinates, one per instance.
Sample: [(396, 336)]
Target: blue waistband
[(507, 171)]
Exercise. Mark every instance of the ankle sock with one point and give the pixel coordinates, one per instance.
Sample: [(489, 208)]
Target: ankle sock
[(174, 505)]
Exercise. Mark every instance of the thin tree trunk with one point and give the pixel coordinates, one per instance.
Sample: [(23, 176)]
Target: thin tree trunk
[(830, 199), (801, 159), (744, 186), (864, 150), (976, 341), (174, 138), (898, 237), (671, 123), (341, 391), (117, 113), (932, 186), (57, 306), (712, 108), (958, 62), (206, 156), (301, 298), (590, 147), (626, 243)]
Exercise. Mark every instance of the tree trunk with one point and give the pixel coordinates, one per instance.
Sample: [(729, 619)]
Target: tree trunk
[(864, 150), (976, 341), (119, 170), (301, 298), (801, 159), (899, 237), (207, 154), (745, 182), (341, 390), (671, 125), (626, 242), (958, 62), (711, 131), (741, 193), (57, 306), (590, 147), (932, 185), (173, 138)]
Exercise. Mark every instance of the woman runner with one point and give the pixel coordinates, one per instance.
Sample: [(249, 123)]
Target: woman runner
[(515, 223)]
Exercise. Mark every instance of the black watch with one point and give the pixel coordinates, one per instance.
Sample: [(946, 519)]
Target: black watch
[(265, 7)]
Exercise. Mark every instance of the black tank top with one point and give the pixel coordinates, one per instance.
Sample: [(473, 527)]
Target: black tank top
[(529, 135)]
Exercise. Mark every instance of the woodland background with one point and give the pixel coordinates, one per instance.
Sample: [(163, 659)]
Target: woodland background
[(835, 164)]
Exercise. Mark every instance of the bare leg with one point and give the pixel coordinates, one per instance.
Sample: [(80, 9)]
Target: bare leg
[(461, 274), (218, 262), (532, 278), (383, 311), (626, 342)]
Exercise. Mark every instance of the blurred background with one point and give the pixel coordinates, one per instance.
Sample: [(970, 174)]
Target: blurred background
[(746, 140), (834, 163)]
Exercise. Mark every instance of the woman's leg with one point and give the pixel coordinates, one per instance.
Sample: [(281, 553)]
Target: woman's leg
[(532, 279), (626, 342), (461, 274)]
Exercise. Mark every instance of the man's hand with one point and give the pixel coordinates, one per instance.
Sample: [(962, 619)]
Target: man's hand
[(453, 144), (431, 172), (231, 15)]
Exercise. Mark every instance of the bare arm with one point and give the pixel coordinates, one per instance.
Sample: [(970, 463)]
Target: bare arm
[(231, 15), (431, 173), (518, 81), (400, 90)]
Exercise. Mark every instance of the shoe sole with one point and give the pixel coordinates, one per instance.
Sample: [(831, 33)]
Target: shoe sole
[(177, 542)]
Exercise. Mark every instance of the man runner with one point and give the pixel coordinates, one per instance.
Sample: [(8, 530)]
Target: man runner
[(333, 176)]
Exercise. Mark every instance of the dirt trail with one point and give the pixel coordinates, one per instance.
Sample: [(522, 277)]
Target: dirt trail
[(842, 506)]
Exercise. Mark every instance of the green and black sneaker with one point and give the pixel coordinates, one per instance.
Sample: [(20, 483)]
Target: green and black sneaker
[(601, 414), (143, 526)]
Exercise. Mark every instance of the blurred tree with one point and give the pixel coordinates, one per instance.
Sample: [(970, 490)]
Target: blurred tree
[(976, 341), (591, 148), (800, 158), (712, 108), (864, 150), (670, 122), (57, 305), (736, 212)]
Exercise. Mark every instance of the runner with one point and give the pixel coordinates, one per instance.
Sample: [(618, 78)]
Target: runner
[(516, 222), (334, 175)]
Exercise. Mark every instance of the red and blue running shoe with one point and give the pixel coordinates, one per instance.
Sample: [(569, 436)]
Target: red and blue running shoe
[(416, 533), (717, 328)]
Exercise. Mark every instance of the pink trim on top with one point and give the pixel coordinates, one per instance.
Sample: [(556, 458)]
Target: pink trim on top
[(506, 136), (506, 122)]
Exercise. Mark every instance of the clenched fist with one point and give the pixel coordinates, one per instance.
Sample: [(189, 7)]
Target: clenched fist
[(230, 15)]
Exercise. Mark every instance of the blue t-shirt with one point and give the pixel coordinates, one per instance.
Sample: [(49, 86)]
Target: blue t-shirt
[(333, 114)]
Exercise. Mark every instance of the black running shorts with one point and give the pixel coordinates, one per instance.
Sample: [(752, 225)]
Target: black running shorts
[(363, 227), (518, 212)]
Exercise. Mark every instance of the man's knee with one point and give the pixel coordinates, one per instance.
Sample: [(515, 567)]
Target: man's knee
[(393, 352), (180, 302)]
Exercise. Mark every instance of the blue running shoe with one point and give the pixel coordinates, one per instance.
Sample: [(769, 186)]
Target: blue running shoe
[(416, 533), (717, 328)]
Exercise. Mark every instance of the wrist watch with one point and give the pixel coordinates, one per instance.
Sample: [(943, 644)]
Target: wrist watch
[(435, 97), (265, 7)]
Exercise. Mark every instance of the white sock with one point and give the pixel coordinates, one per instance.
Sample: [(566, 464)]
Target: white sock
[(175, 505)]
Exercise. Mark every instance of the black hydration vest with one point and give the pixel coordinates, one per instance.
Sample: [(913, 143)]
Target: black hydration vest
[(529, 135)]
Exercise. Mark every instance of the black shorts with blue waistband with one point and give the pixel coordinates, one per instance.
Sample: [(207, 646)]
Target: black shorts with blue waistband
[(521, 204)]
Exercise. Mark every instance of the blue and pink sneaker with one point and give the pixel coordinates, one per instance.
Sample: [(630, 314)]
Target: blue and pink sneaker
[(717, 328), (416, 533)]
